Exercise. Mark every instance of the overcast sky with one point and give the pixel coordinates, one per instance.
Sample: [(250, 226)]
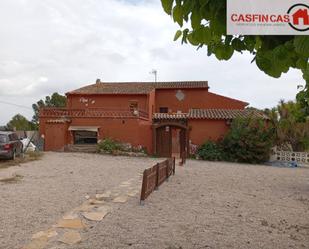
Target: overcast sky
[(51, 46)]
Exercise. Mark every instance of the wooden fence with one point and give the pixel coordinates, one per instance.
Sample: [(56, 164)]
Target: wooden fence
[(153, 177)]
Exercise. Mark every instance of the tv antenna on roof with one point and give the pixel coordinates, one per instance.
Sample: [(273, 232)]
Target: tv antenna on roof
[(155, 73)]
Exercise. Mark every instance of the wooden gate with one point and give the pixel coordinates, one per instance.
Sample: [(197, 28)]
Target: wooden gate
[(55, 135), (164, 141)]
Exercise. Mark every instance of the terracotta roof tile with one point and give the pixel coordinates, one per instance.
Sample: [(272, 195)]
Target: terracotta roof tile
[(212, 114), (224, 114), (65, 114), (136, 87), (58, 121), (170, 116)]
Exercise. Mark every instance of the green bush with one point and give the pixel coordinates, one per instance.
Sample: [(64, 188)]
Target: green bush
[(249, 140), (109, 145), (112, 146), (210, 151)]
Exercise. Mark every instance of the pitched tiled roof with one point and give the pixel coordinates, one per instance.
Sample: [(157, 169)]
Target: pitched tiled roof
[(170, 116), (136, 87), (212, 114), (224, 114)]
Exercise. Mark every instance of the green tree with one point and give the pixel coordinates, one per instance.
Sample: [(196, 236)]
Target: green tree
[(20, 123), (302, 99), (291, 126), (273, 55), (55, 100)]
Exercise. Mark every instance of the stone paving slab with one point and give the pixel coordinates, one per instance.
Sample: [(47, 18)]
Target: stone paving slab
[(94, 216), (100, 197), (107, 194), (75, 223), (107, 209), (95, 202), (71, 238), (70, 216), (133, 193), (49, 234), (84, 207), (120, 199), (39, 243)]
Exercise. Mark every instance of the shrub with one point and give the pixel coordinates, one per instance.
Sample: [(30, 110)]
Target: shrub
[(210, 151), (249, 140), (109, 145), (34, 155), (115, 147)]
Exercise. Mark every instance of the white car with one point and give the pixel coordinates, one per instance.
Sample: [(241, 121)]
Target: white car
[(26, 142)]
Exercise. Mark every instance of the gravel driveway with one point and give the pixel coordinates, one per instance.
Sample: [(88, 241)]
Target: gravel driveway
[(54, 185), (213, 205), (205, 205)]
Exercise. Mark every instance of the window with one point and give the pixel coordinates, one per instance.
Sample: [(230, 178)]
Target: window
[(133, 105), (85, 137), (163, 109), (3, 138), (13, 137)]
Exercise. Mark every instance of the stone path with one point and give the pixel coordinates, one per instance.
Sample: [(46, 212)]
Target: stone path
[(68, 229)]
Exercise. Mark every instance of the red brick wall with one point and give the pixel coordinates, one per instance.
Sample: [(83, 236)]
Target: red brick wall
[(194, 98), (203, 130), (106, 101), (134, 131)]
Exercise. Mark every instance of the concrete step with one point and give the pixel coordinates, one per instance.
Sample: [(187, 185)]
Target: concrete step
[(89, 148)]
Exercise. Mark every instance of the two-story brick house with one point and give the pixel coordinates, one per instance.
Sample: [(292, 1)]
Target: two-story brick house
[(164, 117)]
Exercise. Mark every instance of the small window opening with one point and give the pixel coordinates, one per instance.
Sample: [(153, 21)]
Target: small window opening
[(163, 109)]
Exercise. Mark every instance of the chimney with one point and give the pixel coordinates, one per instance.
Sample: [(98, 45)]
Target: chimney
[(98, 81)]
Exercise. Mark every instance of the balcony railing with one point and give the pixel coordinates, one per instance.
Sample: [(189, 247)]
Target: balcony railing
[(92, 113)]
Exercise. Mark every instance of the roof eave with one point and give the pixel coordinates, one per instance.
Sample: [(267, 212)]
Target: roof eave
[(73, 93), (177, 88)]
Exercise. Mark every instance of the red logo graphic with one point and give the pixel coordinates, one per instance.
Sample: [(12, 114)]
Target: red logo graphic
[(300, 17)]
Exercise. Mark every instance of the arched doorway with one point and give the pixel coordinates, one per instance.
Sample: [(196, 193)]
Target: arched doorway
[(170, 139)]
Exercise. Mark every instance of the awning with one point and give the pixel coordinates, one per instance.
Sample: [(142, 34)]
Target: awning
[(84, 128)]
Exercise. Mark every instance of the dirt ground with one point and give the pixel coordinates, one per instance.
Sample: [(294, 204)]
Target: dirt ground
[(52, 186), (28, 157), (205, 205)]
